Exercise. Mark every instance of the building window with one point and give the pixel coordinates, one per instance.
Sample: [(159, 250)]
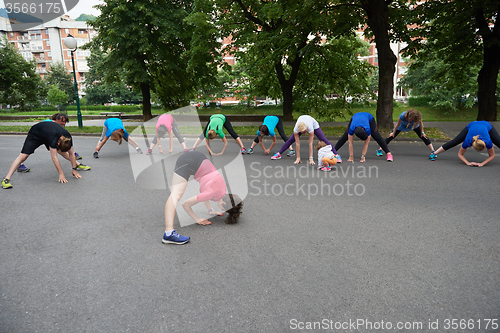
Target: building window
[(49, 54), (82, 32), (66, 31)]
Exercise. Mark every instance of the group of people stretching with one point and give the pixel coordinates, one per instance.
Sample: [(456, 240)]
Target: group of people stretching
[(57, 140)]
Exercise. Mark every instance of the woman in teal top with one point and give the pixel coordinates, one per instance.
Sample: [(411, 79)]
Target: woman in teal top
[(215, 127)]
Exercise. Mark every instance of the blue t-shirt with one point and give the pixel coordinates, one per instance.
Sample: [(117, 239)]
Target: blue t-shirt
[(361, 119), (270, 122), (481, 128), (114, 124), (405, 125)]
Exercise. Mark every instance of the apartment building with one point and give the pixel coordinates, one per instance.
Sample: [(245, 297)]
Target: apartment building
[(45, 45)]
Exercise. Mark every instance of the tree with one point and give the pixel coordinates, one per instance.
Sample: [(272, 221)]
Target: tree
[(463, 32), (149, 40), (20, 85), (444, 86), (100, 88), (59, 77), (85, 17), (56, 97), (278, 36)]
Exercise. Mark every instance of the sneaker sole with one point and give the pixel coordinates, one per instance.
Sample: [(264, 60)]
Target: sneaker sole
[(172, 242), (83, 169), (23, 171)]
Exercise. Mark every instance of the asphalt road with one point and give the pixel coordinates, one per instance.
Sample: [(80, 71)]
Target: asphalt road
[(409, 243)]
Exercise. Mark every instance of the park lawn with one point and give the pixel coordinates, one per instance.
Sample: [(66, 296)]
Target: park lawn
[(428, 113), (331, 131)]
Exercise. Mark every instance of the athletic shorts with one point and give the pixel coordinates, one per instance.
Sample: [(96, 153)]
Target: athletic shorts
[(188, 164), (31, 144)]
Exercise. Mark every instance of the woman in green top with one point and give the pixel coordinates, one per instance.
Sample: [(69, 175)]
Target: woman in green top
[(214, 128)]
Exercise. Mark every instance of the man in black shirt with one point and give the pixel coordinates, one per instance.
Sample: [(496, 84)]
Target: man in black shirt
[(56, 139)]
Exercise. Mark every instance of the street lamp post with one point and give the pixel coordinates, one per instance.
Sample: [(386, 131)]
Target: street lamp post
[(70, 43)]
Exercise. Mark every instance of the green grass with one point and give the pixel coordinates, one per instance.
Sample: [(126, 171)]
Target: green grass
[(428, 113)]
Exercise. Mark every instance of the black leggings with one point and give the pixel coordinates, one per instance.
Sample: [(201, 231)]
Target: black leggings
[(375, 134), (417, 130), (175, 129), (281, 131), (227, 126), (494, 136)]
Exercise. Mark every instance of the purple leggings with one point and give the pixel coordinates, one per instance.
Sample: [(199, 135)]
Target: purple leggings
[(319, 134)]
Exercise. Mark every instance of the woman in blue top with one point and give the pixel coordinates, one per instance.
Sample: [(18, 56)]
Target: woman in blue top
[(267, 128), (408, 121), (362, 125), (114, 129), (478, 134)]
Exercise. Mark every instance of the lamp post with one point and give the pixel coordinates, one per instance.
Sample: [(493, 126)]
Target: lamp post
[(70, 43)]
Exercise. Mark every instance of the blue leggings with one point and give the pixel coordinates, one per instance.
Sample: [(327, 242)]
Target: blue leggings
[(319, 134)]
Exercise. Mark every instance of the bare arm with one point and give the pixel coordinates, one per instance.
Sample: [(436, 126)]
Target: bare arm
[(462, 157), (350, 139), (53, 155), (311, 139), (491, 153), (187, 207), (365, 148), (101, 143), (171, 137), (395, 128)]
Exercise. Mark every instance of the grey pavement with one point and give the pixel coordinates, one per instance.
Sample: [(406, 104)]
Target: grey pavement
[(412, 243)]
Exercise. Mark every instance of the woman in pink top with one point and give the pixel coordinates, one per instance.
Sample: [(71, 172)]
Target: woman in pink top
[(212, 188), (166, 123)]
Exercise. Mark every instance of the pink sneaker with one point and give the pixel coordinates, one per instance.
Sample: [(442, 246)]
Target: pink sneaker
[(326, 168), (276, 156), (389, 157)]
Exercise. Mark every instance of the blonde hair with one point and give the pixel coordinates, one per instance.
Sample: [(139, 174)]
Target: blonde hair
[(301, 127), (211, 134), (65, 144), (320, 145), (117, 135), (477, 143), (414, 116)]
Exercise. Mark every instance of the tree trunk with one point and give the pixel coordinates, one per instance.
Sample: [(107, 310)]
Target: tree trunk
[(378, 20), (487, 81), (288, 84), (146, 101)]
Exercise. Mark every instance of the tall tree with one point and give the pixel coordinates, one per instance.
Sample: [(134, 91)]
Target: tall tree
[(149, 40), (464, 32), (20, 85), (59, 77), (277, 34)]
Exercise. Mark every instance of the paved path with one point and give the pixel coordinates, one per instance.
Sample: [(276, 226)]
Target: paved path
[(411, 241)]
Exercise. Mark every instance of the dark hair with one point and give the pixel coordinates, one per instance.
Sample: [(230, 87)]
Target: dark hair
[(264, 129), (60, 116), (236, 204), (162, 131), (361, 133), (65, 144)]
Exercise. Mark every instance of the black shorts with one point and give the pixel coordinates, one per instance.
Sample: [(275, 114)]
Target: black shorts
[(31, 144), (188, 164)]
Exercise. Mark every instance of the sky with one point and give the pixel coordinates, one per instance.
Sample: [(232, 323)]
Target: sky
[(83, 7)]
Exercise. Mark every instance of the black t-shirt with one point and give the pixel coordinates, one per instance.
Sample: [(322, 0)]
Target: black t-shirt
[(48, 133)]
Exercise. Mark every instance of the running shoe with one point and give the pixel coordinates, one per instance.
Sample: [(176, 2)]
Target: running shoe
[(138, 150), (96, 154), (290, 153), (250, 151), (389, 157), (339, 159), (276, 156), (150, 151), (326, 168), (192, 149), (175, 238), (185, 150), (23, 168), (82, 167), (6, 183), (379, 152), (243, 151), (78, 157), (433, 156)]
